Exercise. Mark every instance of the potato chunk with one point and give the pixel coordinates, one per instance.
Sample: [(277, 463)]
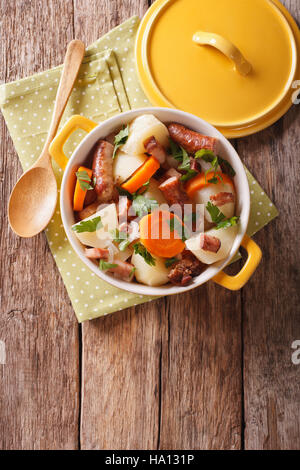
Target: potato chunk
[(150, 275), (226, 237), (101, 237), (141, 128), (125, 165)]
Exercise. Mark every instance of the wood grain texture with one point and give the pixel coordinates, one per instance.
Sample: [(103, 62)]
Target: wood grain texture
[(271, 302), (210, 369), (201, 389), (39, 383)]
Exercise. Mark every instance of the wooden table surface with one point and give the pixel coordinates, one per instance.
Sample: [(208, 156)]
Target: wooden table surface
[(210, 369)]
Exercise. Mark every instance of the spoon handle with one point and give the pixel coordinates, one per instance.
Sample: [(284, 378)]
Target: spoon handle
[(72, 63)]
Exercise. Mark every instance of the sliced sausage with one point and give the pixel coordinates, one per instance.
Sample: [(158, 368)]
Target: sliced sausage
[(222, 198), (90, 197), (88, 210), (155, 149), (103, 170), (209, 243), (192, 141), (183, 271), (96, 253)]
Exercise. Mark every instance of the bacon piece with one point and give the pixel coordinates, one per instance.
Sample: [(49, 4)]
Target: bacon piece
[(168, 174), (172, 191), (155, 149), (88, 210), (184, 270), (209, 243), (123, 270), (192, 141), (103, 170), (222, 198), (96, 253), (123, 208)]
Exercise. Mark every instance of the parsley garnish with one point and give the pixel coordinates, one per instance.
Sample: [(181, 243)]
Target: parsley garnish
[(181, 155), (170, 261), (103, 265), (228, 222), (219, 218), (90, 225), (210, 157), (84, 180), (175, 224), (121, 239), (142, 205), (124, 192), (141, 250), (188, 175), (226, 167), (121, 138)]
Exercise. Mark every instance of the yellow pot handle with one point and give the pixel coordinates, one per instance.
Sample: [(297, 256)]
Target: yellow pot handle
[(57, 145), (253, 260), (230, 50)]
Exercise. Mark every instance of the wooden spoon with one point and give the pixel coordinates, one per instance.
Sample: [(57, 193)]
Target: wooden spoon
[(33, 199)]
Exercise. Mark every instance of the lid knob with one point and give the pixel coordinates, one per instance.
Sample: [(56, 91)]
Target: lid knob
[(226, 47)]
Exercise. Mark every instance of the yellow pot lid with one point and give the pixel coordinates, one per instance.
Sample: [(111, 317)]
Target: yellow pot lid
[(231, 62)]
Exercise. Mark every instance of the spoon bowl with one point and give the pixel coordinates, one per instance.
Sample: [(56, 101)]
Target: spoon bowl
[(32, 202)]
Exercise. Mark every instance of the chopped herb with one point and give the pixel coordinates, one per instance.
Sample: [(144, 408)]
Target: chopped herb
[(206, 155), (121, 239), (226, 167), (188, 175), (124, 192), (84, 180), (181, 155), (141, 250), (175, 224), (216, 215), (170, 261), (214, 180), (186, 163), (142, 205), (176, 150), (103, 265), (90, 225), (132, 271), (228, 222), (219, 218), (121, 138), (210, 157)]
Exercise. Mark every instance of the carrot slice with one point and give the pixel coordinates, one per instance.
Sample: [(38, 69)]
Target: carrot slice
[(159, 235), (79, 193), (141, 175), (200, 181)]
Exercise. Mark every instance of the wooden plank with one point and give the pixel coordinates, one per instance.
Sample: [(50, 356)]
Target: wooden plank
[(121, 353), (201, 371), (39, 382), (272, 298)]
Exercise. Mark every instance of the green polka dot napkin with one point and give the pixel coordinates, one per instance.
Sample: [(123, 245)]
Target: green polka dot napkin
[(107, 84)]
